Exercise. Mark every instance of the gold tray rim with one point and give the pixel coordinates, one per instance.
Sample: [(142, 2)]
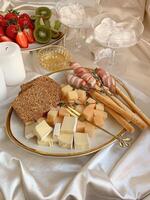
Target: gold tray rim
[(10, 135)]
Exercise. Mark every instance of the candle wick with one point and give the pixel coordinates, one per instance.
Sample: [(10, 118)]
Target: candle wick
[(6, 48)]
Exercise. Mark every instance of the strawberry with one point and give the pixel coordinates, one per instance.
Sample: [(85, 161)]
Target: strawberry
[(1, 19), (12, 15), (4, 23), (21, 39), (11, 31), (29, 34), (23, 23), (25, 16), (1, 31), (4, 38)]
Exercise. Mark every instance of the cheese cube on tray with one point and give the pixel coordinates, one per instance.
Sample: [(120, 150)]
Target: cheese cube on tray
[(30, 130), (81, 141), (47, 141), (69, 124), (65, 90), (65, 140), (42, 130), (56, 132)]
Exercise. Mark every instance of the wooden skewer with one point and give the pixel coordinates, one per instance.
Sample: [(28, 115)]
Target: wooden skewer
[(107, 101), (120, 120), (133, 106)]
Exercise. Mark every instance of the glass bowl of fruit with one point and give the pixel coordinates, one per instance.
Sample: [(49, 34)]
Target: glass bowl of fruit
[(32, 28)]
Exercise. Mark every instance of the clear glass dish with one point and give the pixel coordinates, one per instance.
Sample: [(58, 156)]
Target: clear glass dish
[(125, 33), (54, 58)]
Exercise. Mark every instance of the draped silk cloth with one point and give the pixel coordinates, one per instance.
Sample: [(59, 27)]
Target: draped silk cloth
[(111, 174)]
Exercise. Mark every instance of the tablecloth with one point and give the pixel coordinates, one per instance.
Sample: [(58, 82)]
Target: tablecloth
[(111, 174)]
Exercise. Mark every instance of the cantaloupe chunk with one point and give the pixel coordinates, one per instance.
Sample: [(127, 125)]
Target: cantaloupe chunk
[(65, 90), (51, 117), (63, 112), (82, 96), (90, 100), (90, 129), (98, 120), (100, 113), (88, 112), (80, 126), (100, 106), (79, 108), (72, 95)]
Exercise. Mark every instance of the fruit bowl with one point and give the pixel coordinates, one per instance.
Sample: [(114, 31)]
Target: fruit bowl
[(33, 45)]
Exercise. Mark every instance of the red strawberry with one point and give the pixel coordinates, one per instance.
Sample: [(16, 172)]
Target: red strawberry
[(21, 39), (12, 14), (1, 19), (23, 23), (1, 31), (11, 17), (25, 16), (4, 23), (29, 34), (11, 31), (5, 39)]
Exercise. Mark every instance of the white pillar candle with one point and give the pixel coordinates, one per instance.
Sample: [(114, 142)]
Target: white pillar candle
[(11, 63), (3, 89)]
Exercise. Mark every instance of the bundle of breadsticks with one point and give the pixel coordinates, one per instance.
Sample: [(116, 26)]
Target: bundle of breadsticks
[(102, 87)]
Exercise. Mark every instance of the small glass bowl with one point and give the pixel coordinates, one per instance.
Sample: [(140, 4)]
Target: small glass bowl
[(54, 58)]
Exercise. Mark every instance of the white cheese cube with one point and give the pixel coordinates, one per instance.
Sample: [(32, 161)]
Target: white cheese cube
[(43, 129), (66, 89), (30, 130), (81, 141), (65, 140), (47, 141), (69, 124), (56, 132)]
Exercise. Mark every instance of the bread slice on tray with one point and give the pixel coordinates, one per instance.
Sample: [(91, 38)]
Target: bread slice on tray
[(37, 98)]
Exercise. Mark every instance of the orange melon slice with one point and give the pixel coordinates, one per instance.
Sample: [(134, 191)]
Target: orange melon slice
[(80, 126)]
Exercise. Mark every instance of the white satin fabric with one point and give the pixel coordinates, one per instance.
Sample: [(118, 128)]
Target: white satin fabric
[(111, 174)]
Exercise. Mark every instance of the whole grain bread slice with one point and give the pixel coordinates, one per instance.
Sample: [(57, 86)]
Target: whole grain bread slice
[(41, 80), (36, 99)]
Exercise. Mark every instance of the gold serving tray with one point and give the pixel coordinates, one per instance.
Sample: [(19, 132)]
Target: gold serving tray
[(61, 152)]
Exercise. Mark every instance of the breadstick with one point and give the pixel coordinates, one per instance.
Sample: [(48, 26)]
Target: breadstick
[(107, 101), (122, 105), (120, 120), (133, 106)]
